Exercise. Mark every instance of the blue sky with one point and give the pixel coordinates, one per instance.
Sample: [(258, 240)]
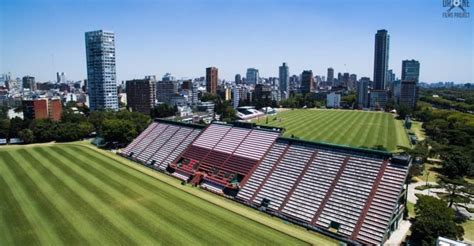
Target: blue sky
[(183, 37)]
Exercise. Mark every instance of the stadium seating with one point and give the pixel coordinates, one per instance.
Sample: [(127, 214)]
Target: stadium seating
[(128, 150), (157, 143), (323, 186), (161, 143), (227, 153), (352, 192)]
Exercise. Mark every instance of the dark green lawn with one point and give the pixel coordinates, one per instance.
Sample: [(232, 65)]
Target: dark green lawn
[(363, 129), (68, 194)]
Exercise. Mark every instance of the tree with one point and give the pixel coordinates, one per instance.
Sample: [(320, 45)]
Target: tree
[(208, 97), (433, 219), (4, 128), (403, 111), (122, 131), (16, 125), (26, 135), (456, 163), (229, 114), (67, 132), (44, 130), (3, 112), (163, 110)]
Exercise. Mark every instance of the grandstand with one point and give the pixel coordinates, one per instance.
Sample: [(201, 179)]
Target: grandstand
[(161, 142), (355, 195), (224, 155), (352, 192)]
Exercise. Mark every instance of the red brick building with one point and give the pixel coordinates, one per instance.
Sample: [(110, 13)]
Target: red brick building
[(42, 109)]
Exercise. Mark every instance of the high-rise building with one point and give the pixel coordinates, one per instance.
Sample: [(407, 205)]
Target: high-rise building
[(236, 96), (284, 79), (352, 81), (101, 77), (42, 108), (378, 99), (211, 80), (141, 95), (345, 80), (252, 76), (29, 83), (408, 93), (411, 70), (307, 82), (362, 92), (330, 78), (58, 78), (165, 90), (187, 84), (194, 92), (382, 44), (63, 77), (263, 92), (168, 77), (238, 79)]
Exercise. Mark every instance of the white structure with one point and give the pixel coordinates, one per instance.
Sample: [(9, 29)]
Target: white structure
[(248, 113), (333, 100), (236, 96), (442, 241), (101, 76)]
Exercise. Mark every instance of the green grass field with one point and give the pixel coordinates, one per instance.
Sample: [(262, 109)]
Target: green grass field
[(70, 194), (354, 128)]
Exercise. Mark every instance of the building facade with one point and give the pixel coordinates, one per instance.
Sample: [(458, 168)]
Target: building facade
[(378, 99), (333, 100), (382, 43), (408, 93), (42, 108), (141, 95), (363, 93), (238, 79), (211, 80), (165, 90), (330, 78), (411, 70), (252, 76), (28, 82), (307, 82), (284, 79), (101, 74)]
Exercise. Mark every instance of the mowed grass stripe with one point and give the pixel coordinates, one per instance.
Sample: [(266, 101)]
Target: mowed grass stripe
[(161, 214), (127, 229), (31, 214), (323, 125), (65, 231), (363, 135), (343, 127), (165, 208), (207, 215), (61, 198), (354, 132), (303, 119), (347, 132), (127, 205), (89, 216), (15, 227)]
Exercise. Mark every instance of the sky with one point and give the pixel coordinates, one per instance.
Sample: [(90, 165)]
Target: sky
[(183, 37)]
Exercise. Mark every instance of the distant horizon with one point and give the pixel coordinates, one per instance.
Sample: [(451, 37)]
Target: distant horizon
[(184, 37)]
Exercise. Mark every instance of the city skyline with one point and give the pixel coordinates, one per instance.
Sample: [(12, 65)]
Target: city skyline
[(184, 46)]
